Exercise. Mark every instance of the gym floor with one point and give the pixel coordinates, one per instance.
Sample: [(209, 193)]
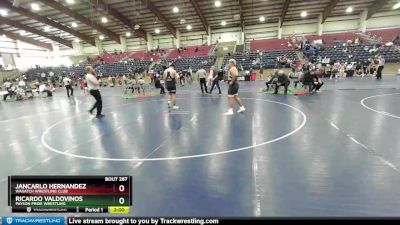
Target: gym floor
[(334, 153)]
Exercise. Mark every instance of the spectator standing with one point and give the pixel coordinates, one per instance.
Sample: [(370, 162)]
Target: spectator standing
[(381, 65), (94, 86), (215, 80), (201, 73), (67, 83)]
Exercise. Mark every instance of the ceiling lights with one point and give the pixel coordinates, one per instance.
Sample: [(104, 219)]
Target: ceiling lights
[(3, 12), (397, 5), (217, 3), (189, 27), (262, 18), (303, 14), (77, 40), (223, 23), (349, 9), (101, 37), (35, 6), (157, 31), (4, 36), (70, 1), (128, 34), (47, 28), (22, 33), (73, 24), (104, 19), (175, 9)]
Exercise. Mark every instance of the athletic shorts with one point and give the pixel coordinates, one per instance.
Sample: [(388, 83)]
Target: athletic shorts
[(171, 88), (233, 89)]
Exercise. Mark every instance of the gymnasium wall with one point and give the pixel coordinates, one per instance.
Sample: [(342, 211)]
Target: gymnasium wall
[(25, 55), (8, 45), (226, 35), (193, 38), (301, 27), (135, 44), (342, 24), (110, 46), (90, 49), (8, 48), (384, 20), (163, 41), (261, 31)]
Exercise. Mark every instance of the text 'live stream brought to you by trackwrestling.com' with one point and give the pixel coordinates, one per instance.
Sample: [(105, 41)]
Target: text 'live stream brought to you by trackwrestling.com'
[(43, 220)]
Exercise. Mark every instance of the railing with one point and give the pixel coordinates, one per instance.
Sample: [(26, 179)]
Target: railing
[(211, 51), (372, 38), (9, 75)]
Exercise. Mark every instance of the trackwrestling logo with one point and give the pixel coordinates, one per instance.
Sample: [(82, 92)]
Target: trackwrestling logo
[(33, 220)]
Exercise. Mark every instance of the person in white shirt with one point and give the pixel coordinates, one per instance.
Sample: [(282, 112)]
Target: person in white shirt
[(93, 86), (201, 73), (124, 79), (141, 83), (210, 77), (43, 88), (9, 88), (7, 84), (349, 66), (215, 79), (67, 83), (134, 85), (381, 65), (21, 84), (190, 73), (110, 81)]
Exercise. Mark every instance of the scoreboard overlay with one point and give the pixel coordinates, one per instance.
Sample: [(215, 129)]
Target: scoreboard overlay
[(74, 194)]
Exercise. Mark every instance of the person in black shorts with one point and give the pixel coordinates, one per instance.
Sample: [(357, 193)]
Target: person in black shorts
[(233, 90), (157, 84), (283, 80), (317, 83), (170, 83), (182, 79), (215, 80)]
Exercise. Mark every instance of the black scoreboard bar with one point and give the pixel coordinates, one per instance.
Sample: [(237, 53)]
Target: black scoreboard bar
[(70, 194)]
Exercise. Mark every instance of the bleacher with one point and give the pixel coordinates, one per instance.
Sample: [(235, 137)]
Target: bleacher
[(194, 62), (202, 50), (137, 55), (145, 55), (267, 59), (107, 69), (384, 35), (360, 53), (333, 39), (110, 57), (124, 67), (34, 73), (269, 45)]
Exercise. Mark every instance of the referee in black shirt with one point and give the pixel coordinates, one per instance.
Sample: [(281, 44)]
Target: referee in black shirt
[(215, 80)]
